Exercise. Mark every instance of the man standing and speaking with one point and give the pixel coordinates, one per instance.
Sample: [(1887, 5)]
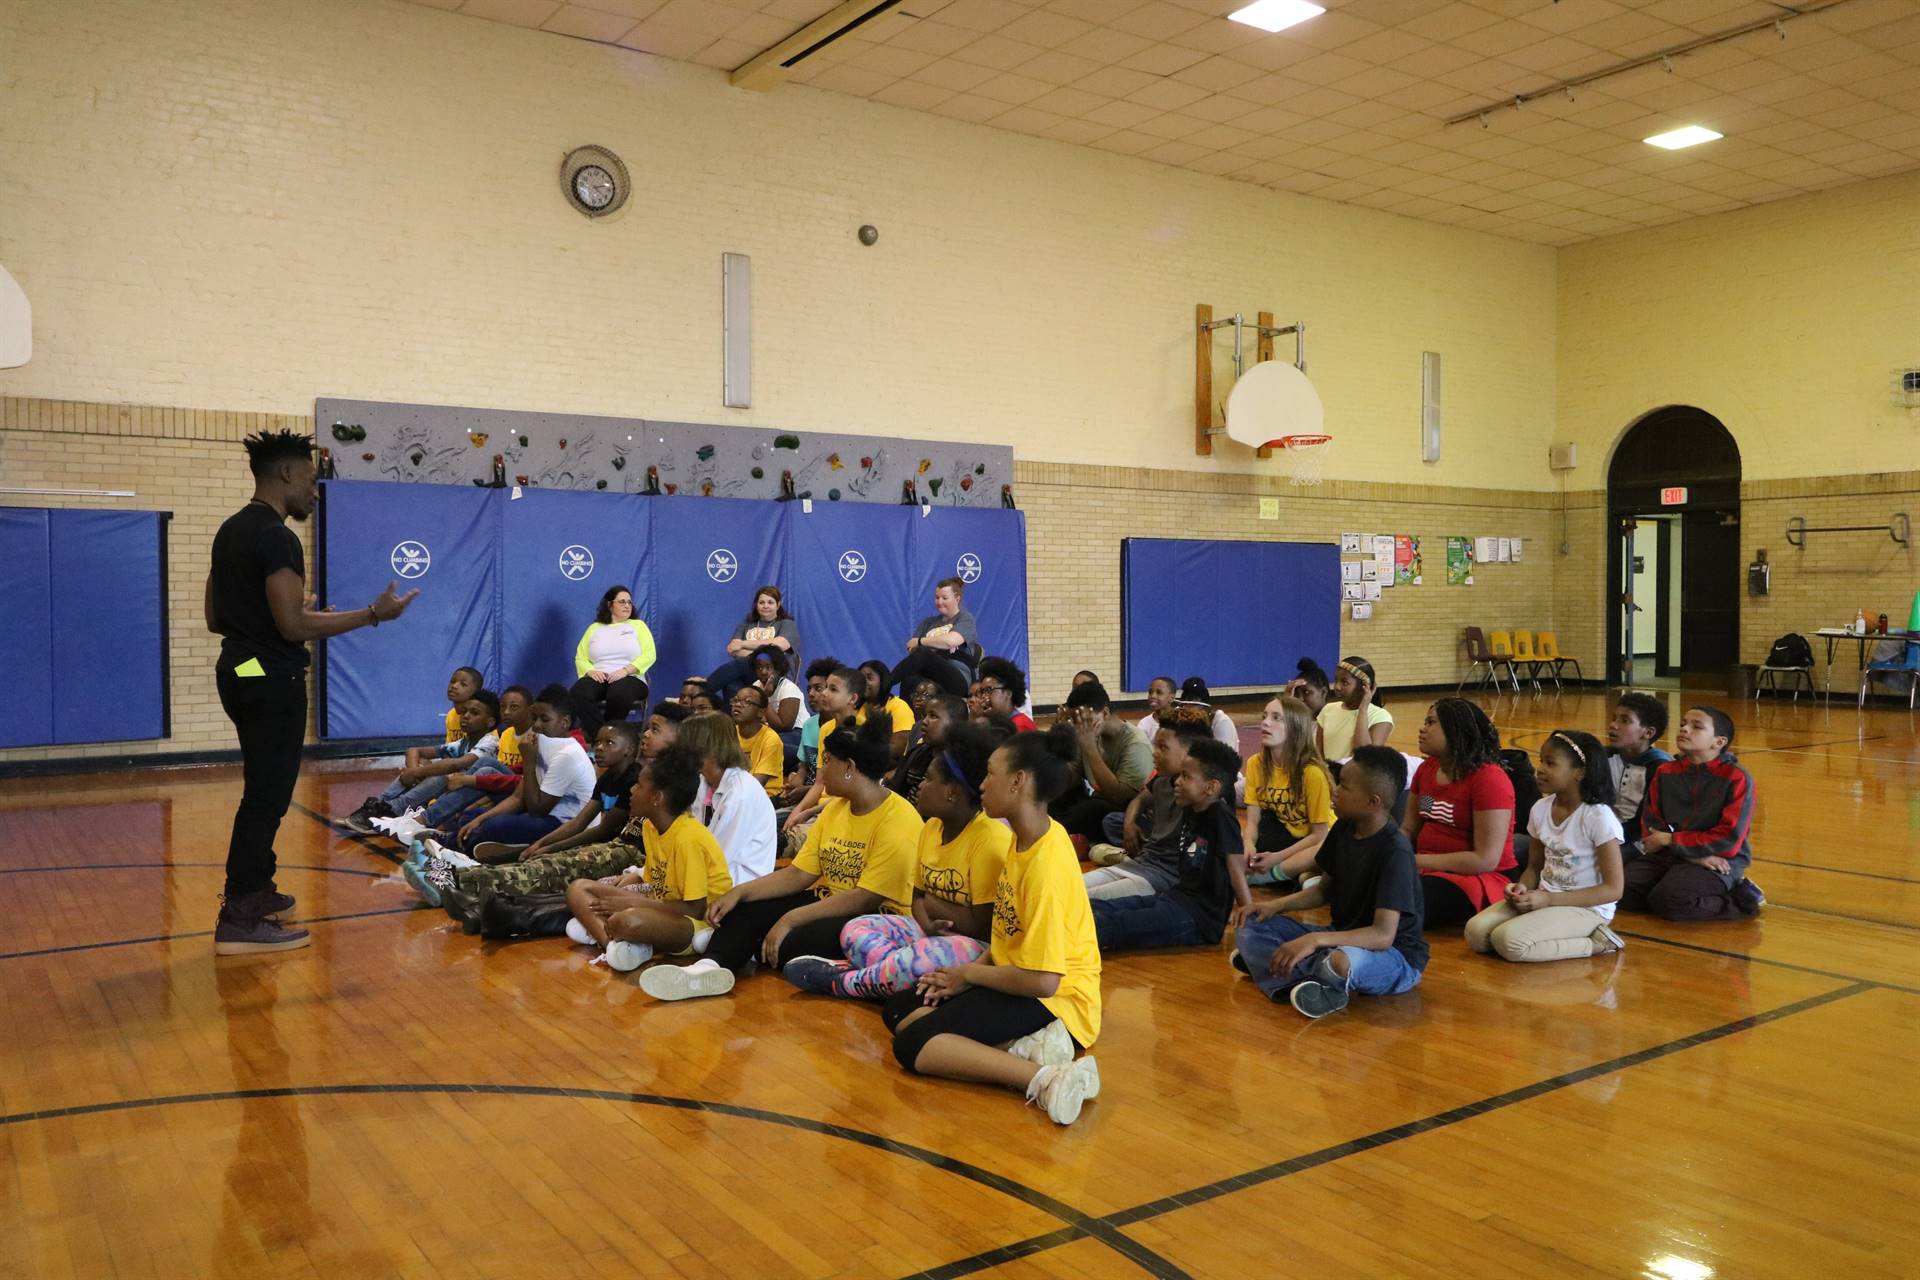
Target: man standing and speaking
[(258, 603)]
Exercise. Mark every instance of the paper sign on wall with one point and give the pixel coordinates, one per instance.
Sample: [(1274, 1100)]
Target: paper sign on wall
[(1349, 542), (1349, 571), (1406, 560), (1459, 561), (1362, 610)]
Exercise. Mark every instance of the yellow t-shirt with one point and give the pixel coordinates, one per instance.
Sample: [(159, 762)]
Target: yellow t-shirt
[(1043, 921), (899, 712), (965, 870), (874, 852), (686, 864), (453, 725), (509, 748), (765, 758), (1297, 813)]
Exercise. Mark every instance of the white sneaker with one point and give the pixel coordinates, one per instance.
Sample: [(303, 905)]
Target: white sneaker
[(625, 957), (701, 978), (404, 829), (577, 932), (1105, 855), (1063, 1090), (457, 858), (1050, 1046)]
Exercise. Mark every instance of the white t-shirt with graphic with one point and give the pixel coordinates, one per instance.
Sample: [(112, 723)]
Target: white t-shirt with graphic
[(563, 769), (1568, 848)]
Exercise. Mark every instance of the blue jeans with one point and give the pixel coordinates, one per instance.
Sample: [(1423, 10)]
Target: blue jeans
[(1114, 828), (512, 828), (1369, 973), (403, 799), (729, 678), (441, 813), (1144, 922)]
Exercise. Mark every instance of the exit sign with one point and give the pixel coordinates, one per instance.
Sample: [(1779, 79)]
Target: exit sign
[(1673, 497)]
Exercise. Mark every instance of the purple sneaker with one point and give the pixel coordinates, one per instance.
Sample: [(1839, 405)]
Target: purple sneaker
[(814, 973)]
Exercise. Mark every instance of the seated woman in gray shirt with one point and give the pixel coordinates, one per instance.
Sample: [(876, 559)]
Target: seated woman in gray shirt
[(767, 624), (944, 647)]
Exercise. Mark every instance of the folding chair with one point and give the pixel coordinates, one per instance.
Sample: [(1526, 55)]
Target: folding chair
[(1502, 645), (1769, 678)]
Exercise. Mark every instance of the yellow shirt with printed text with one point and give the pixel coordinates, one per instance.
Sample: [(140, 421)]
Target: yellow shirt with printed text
[(509, 749), (966, 869), (453, 725), (1043, 921), (873, 851), (686, 864), (766, 758), (1298, 813)]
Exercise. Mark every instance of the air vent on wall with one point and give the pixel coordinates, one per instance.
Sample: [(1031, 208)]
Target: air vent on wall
[(770, 68)]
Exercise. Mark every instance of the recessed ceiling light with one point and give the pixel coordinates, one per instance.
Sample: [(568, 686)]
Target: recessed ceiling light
[(1691, 136), (1275, 15)]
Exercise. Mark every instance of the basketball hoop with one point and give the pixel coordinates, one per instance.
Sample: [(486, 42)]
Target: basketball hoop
[(1306, 454)]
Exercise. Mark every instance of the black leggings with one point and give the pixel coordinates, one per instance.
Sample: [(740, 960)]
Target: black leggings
[(595, 703), (1447, 903), (736, 941), (1083, 816), (949, 673), (978, 1013)]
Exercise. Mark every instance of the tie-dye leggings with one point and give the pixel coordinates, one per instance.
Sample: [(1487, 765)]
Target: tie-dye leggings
[(890, 952)]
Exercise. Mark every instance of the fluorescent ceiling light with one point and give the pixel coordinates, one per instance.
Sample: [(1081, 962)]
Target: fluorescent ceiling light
[(1275, 15), (1691, 136)]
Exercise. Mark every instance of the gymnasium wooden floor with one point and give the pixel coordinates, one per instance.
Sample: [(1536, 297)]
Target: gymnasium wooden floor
[(1730, 1100)]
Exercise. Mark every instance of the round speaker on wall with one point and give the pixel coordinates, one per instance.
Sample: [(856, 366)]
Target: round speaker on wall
[(595, 181)]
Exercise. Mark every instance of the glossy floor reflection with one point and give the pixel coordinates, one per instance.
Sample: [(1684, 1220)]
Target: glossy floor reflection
[(1725, 1100)]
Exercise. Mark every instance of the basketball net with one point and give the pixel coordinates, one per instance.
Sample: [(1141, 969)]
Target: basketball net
[(1306, 456)]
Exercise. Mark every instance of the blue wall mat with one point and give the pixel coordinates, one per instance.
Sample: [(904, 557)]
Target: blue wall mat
[(988, 551), (391, 681), (559, 553), (26, 641), (106, 565), (1238, 613), (852, 592), (709, 557)]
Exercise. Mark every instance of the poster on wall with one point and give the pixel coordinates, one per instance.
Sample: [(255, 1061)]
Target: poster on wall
[(1406, 560), (1459, 561)]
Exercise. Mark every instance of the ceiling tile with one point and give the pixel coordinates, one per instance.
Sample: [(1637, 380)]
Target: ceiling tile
[(1217, 74), (1115, 82), (1166, 95), (1165, 59), (588, 24), (1069, 102), (1079, 132), (520, 13), (1157, 20), (1056, 67), (933, 37), (1128, 143), (970, 107), (1105, 45), (912, 95), (1026, 120), (956, 77), (667, 42), (982, 15), (997, 52), (1047, 29)]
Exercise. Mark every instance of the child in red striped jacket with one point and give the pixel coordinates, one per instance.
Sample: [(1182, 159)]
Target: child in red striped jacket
[(1695, 846)]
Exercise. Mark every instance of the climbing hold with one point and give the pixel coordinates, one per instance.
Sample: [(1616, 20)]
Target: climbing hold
[(833, 495), (563, 442), (417, 457), (478, 439), (966, 482), (833, 462), (706, 488), (933, 486), (867, 463), (786, 442), (926, 465), (704, 452), (599, 484), (980, 468), (342, 432), (673, 488), (759, 473), (523, 442), (619, 462), (366, 457), (758, 453), (521, 480)]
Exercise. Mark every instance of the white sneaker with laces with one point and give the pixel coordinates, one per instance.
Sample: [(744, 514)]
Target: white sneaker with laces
[(458, 859), (1050, 1046), (674, 982), (1062, 1091), (625, 957), (577, 932)]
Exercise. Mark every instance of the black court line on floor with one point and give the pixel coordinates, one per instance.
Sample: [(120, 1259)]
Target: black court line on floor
[(1385, 1137), (1842, 915), (1081, 1225), (202, 933), (1772, 964), (1813, 746), (168, 866), (1838, 871)]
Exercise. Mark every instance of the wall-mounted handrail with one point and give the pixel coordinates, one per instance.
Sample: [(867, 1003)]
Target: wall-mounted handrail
[(1898, 528)]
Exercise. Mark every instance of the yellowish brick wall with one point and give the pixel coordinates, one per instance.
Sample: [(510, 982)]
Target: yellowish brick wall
[(251, 203)]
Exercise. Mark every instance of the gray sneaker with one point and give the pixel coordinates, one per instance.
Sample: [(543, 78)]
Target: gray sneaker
[(1323, 992), (240, 936), (1606, 941)]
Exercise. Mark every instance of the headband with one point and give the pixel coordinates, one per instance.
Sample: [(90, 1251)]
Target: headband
[(1571, 745), (1355, 672), (959, 775)]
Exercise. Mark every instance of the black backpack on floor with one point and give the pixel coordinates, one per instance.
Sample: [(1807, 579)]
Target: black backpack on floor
[(1518, 766)]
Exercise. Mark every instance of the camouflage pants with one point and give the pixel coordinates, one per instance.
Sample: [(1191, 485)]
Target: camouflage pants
[(552, 873)]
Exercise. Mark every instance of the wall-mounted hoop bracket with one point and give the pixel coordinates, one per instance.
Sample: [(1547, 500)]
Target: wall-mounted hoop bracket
[(1265, 331), (1898, 527)]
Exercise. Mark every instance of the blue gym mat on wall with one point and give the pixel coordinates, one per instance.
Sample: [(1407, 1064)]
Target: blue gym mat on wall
[(1237, 613), (508, 584), (69, 577)]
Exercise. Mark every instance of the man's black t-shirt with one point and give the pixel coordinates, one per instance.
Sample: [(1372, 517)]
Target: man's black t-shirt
[(251, 546), (1375, 873), (1204, 841)]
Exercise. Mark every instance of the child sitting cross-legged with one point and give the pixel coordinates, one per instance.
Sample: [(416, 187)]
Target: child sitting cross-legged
[(766, 756), (429, 771), (962, 853), (1695, 846), (1145, 827), (1017, 1018), (1289, 794), (1209, 869), (616, 758), (1367, 877), (858, 859), (1559, 907), (663, 909)]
